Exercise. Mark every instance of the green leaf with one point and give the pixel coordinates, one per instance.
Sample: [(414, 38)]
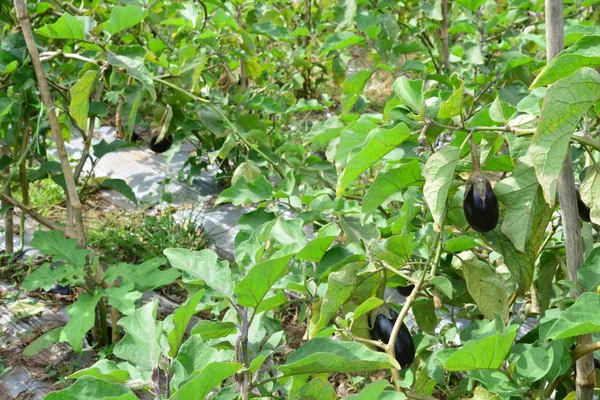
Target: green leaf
[(66, 27), (271, 302), (257, 282), (316, 248), (453, 105), (443, 284), (123, 297), (472, 5), (42, 342), (53, 243), (317, 388), (584, 53), (581, 318), (371, 392), (424, 313), (45, 276), (370, 304), (389, 182), (488, 291), (325, 355), (565, 103), (496, 111), (132, 59), (145, 276), (379, 143), (519, 194), (119, 185), (246, 192), (340, 287), (80, 98), (122, 18), (347, 11), (304, 105), (589, 273), (486, 353), (439, 173), (103, 148), (460, 244), (140, 345), (105, 370), (180, 320), (353, 88), (271, 30), (590, 192), (91, 388), (82, 318), (338, 41), (203, 265), (203, 383), (410, 92), (535, 362), (213, 330)]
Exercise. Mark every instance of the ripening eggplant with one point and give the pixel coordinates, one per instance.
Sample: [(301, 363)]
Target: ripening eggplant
[(161, 146), (382, 328), (584, 210), (480, 204)]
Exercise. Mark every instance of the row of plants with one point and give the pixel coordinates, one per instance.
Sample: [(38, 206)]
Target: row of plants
[(458, 190)]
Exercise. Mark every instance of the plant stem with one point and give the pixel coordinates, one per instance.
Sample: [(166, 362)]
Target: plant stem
[(8, 217), (390, 350), (586, 376), (71, 190)]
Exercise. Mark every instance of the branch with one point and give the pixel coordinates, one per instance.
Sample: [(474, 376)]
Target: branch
[(581, 350), (71, 189), (35, 215)]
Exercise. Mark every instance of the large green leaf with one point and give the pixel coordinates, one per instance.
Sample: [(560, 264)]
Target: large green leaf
[(82, 317), (246, 192), (453, 105), (341, 285), (103, 148), (584, 53), (379, 143), (257, 282), (316, 248), (123, 297), (338, 41), (353, 88), (519, 194), (119, 185), (389, 182), (326, 355), (42, 342), (590, 192), (80, 98), (132, 59), (53, 243), (91, 388), (122, 18), (140, 346), (145, 276), (581, 318), (589, 272), (66, 27), (205, 266), (180, 320), (214, 329), (106, 370), (439, 172), (488, 290), (410, 92), (486, 353), (204, 382), (565, 103)]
